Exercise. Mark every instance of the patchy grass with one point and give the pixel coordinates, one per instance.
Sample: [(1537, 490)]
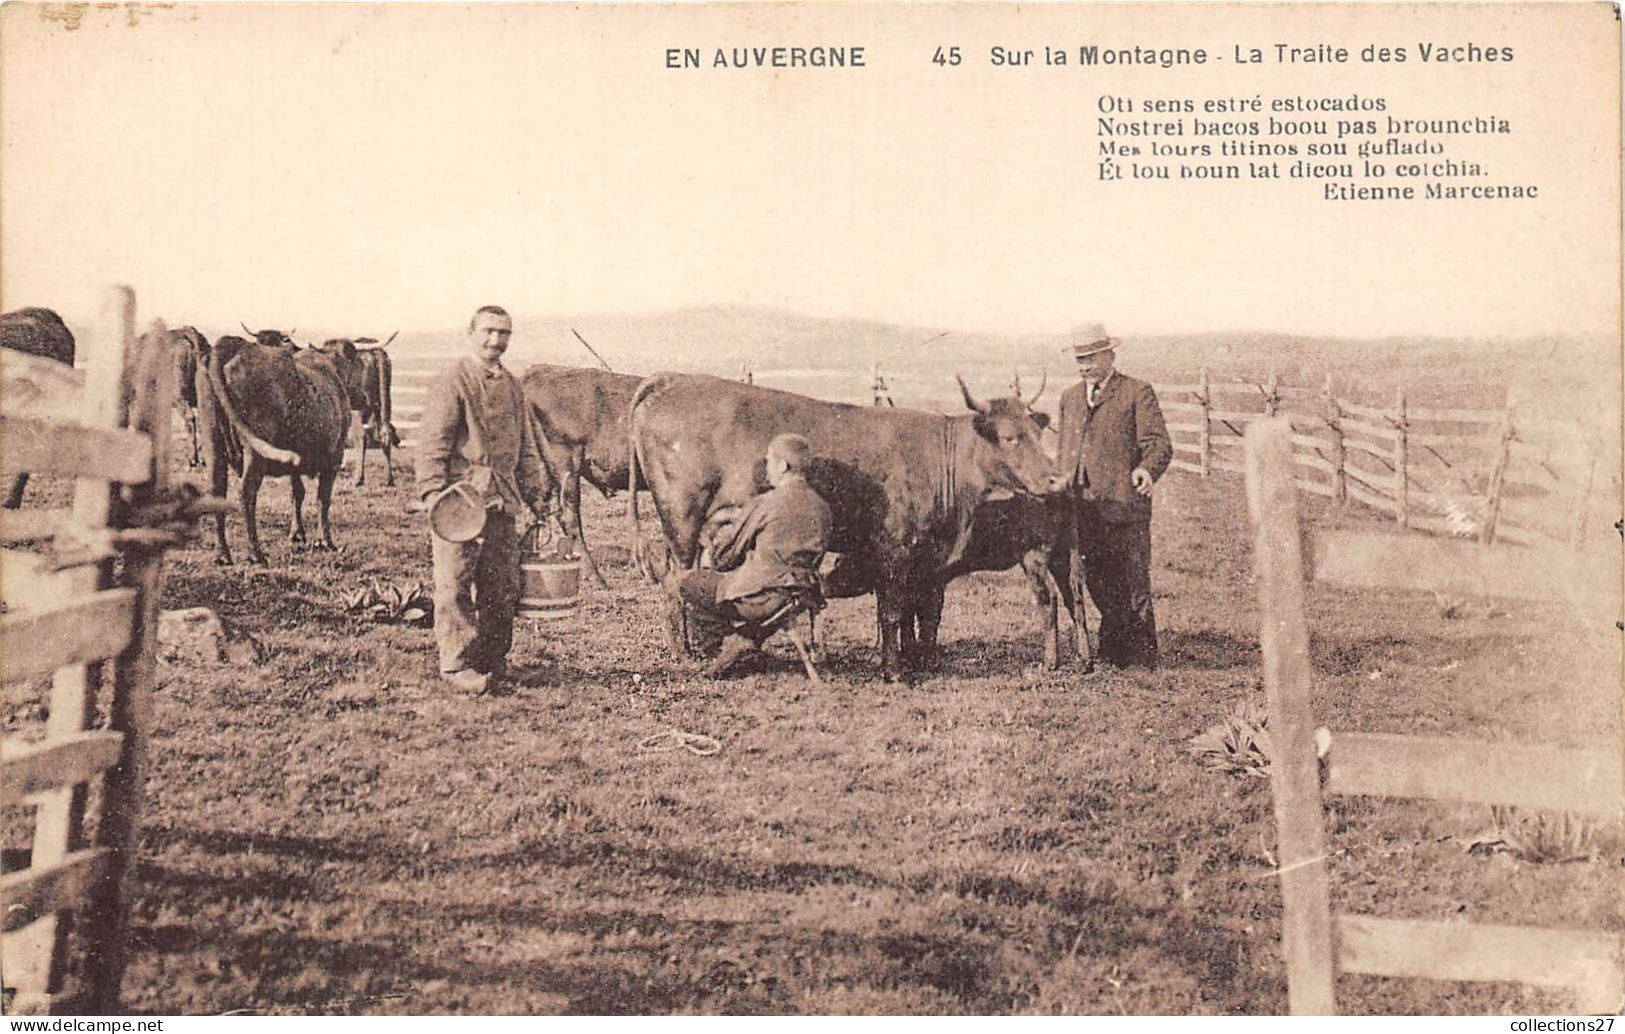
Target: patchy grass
[(334, 831)]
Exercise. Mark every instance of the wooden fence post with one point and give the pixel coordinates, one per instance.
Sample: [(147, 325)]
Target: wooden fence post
[(1306, 926), (1334, 420), (1205, 442), (1503, 455), (149, 369), (1401, 461), (1272, 393)]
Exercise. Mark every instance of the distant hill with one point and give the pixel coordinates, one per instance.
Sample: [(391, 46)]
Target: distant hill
[(787, 349)]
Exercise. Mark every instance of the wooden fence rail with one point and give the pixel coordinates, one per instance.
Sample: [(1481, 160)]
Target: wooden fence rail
[(1472, 473)]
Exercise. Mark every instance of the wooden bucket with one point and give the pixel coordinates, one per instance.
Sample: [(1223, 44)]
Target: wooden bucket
[(551, 587)]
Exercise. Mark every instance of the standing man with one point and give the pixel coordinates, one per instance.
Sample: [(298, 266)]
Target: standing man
[(769, 552), (1114, 446), (475, 431)]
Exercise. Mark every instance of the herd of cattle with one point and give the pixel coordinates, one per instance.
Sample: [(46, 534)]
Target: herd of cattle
[(917, 498)]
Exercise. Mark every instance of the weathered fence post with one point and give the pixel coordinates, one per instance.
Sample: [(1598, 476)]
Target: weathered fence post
[(133, 674), (1334, 420), (1205, 442), (745, 373), (1306, 929), (1402, 478), (1272, 393), (1503, 455)]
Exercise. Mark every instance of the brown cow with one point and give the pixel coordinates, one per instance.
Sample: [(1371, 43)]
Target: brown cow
[(581, 418), (268, 411), (903, 486)]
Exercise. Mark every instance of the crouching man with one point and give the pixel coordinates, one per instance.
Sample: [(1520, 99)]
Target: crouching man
[(760, 560)]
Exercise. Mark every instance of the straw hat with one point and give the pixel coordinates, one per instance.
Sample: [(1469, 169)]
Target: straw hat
[(1089, 339), (457, 514)]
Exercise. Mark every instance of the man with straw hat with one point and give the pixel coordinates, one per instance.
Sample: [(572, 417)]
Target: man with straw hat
[(479, 468), (1114, 446)]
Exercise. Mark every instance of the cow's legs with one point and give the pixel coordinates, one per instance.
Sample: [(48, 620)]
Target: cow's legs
[(253, 474), (215, 465), (928, 617), (384, 436), (324, 500), (296, 486), (361, 461), (1035, 564), (891, 605), (570, 504), (1073, 580)]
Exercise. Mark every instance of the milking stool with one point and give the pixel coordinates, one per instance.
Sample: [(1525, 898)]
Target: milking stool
[(801, 601)]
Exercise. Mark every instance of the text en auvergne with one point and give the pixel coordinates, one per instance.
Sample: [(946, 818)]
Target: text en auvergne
[(767, 57)]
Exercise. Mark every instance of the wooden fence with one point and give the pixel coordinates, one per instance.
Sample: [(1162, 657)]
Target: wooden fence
[(1316, 942), (1489, 474), (90, 624)]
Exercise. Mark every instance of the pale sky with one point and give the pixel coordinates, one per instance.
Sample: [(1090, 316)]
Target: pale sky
[(383, 166)]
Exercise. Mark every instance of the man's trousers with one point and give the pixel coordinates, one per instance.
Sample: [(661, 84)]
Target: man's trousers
[(476, 591), (1117, 570)]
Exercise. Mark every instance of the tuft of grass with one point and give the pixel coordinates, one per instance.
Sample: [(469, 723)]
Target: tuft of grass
[(1538, 837), (1237, 745)]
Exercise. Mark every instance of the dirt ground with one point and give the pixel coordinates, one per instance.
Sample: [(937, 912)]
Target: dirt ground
[(334, 831)]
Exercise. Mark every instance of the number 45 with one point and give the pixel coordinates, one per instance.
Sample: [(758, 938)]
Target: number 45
[(946, 57)]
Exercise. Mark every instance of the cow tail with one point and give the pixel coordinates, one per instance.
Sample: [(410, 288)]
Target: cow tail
[(254, 441), (386, 375)]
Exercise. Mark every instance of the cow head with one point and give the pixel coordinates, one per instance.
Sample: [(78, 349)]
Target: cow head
[(271, 337), (347, 362), (1006, 447)]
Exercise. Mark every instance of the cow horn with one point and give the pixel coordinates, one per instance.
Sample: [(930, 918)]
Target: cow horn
[(250, 333), (289, 335), (969, 399), (392, 337), (1043, 381)]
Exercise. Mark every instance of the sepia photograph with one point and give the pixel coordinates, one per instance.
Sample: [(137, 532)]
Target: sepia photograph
[(811, 508)]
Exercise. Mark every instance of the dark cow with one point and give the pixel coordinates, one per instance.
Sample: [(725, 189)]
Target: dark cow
[(903, 486), (581, 416), (272, 338), (377, 417), (267, 411), (187, 350), (1033, 533), (1036, 534), (39, 332)]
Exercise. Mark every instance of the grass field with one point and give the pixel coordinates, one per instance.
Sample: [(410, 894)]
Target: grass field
[(334, 831)]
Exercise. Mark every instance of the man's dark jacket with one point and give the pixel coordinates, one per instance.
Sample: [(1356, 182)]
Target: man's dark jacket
[(777, 543), (1101, 448)]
